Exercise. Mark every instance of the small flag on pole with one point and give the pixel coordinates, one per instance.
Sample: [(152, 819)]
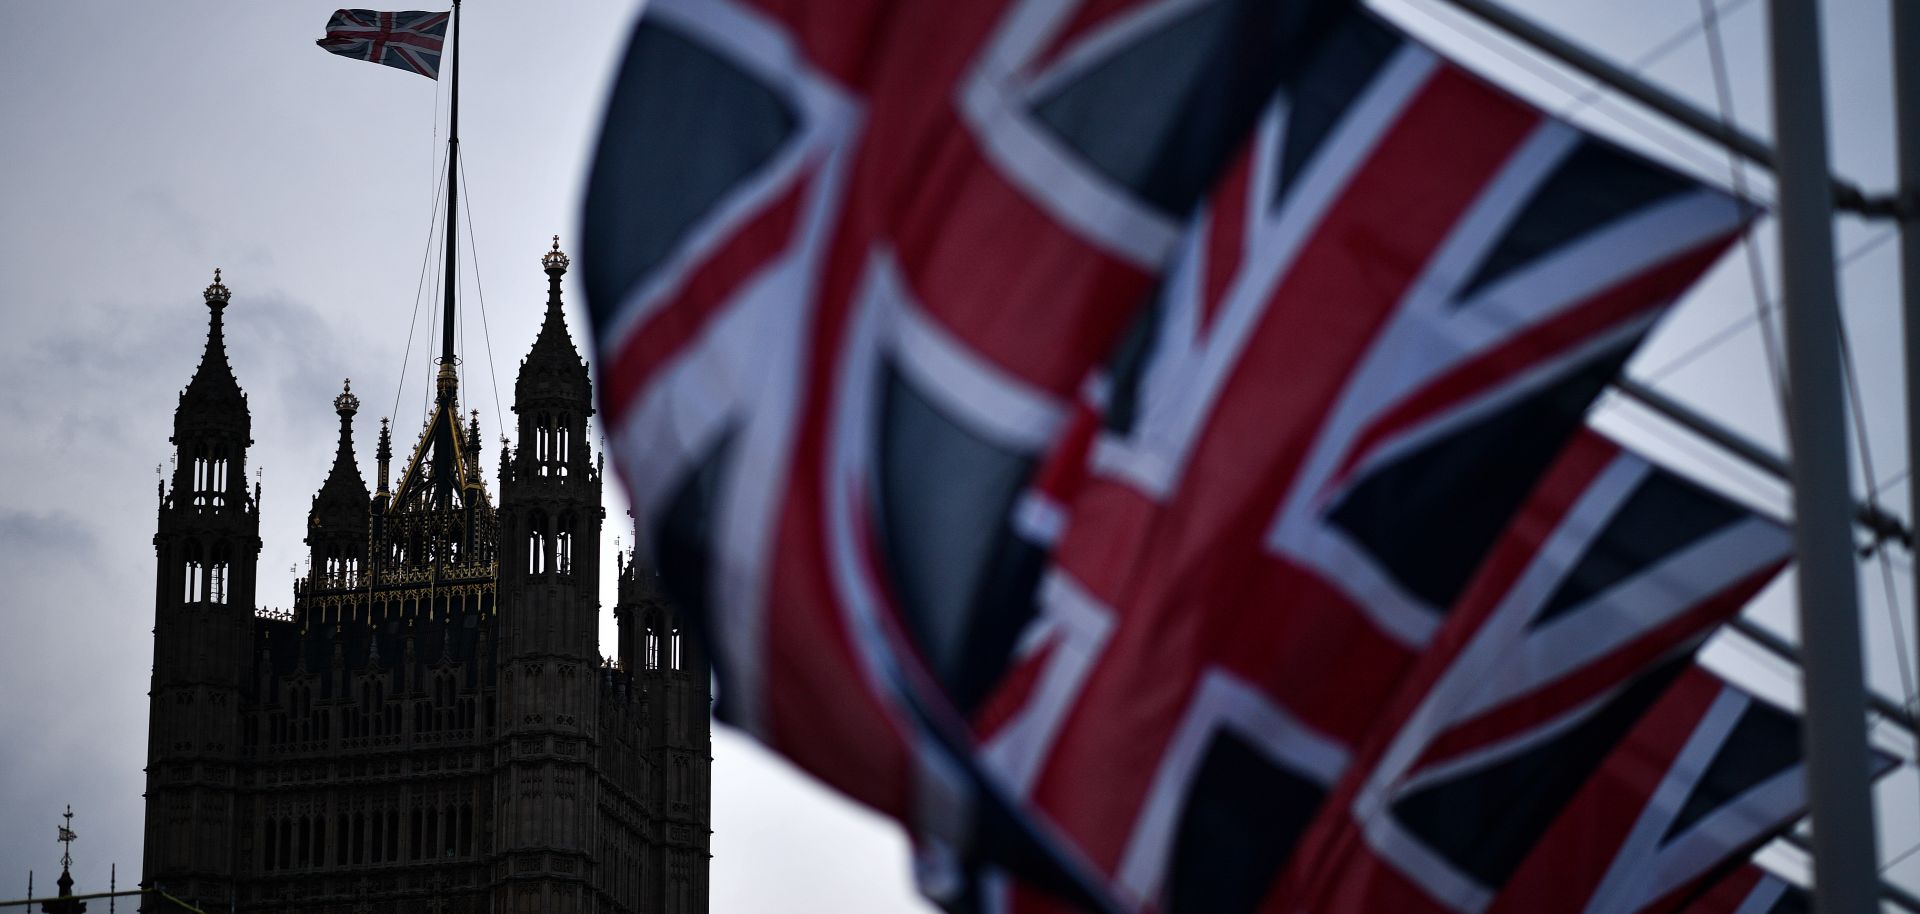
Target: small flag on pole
[(408, 40)]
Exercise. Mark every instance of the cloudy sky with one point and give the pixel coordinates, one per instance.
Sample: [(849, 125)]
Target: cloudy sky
[(142, 145)]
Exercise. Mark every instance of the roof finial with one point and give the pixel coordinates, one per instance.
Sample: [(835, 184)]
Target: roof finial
[(66, 839), (346, 404), (217, 294), (555, 260)]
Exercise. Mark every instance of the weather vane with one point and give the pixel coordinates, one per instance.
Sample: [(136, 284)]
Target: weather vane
[(66, 839)]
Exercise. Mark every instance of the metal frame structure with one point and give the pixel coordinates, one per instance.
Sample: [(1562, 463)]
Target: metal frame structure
[(1845, 862)]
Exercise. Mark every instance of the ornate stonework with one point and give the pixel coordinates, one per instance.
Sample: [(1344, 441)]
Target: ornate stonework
[(431, 727)]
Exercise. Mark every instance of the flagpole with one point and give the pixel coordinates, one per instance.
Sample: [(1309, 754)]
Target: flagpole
[(445, 384), (453, 188), (1845, 864)]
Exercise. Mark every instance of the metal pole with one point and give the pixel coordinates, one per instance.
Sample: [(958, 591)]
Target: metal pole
[(1906, 111), (443, 449), (1845, 863), (453, 185), (1846, 194)]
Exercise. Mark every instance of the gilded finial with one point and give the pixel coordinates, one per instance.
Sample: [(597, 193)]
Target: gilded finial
[(555, 260), (218, 291), (346, 404)]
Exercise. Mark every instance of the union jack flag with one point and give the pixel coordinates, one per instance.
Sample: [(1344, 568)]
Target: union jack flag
[(1584, 611), (858, 275), (1382, 330), (1708, 775), (408, 40)]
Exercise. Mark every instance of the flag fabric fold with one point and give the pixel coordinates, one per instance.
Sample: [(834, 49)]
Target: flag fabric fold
[(1708, 775), (1585, 611), (1381, 331), (1071, 426), (408, 40)]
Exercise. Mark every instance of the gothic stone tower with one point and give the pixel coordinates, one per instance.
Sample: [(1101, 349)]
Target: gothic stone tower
[(546, 787), (431, 727), (205, 549)]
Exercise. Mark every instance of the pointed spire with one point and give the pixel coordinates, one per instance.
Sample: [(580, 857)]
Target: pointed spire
[(554, 367), (384, 454), (345, 488), (472, 446), (214, 393)]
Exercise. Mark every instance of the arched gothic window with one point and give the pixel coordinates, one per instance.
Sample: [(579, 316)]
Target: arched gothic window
[(653, 643), (196, 574), (563, 543), (217, 574), (538, 536), (209, 474)]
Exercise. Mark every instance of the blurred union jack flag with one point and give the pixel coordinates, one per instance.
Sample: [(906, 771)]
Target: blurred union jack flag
[(1070, 423), (407, 40)]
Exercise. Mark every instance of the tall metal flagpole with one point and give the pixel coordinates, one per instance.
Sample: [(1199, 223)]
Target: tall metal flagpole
[(453, 186), (1906, 104), (443, 450), (1845, 864)]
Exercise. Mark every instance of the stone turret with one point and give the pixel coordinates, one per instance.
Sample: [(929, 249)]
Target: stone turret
[(337, 522), (206, 547), (550, 520)]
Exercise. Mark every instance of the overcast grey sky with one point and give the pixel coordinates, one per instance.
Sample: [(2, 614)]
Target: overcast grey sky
[(142, 145)]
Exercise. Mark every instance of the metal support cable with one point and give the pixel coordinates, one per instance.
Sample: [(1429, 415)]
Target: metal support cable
[(1898, 896), (1756, 275), (473, 249), (1763, 637), (413, 322), (1845, 194), (1880, 524)]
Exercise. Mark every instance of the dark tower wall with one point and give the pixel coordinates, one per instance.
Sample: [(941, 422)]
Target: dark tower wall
[(546, 783), (669, 669), (206, 547)]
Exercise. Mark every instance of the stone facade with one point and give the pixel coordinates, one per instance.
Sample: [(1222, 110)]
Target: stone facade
[(432, 726)]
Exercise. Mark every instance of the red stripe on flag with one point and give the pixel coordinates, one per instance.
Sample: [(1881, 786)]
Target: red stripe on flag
[(1573, 855), (1007, 279), (1208, 545), (708, 289), (1616, 667), (1639, 294)]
